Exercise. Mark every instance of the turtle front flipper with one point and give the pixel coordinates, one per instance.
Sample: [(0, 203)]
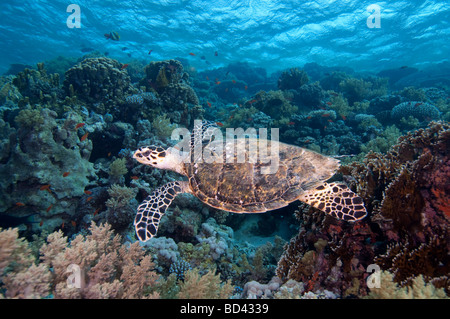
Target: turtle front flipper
[(336, 200), (151, 210)]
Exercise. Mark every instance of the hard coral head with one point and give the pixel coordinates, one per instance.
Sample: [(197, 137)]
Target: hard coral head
[(151, 155)]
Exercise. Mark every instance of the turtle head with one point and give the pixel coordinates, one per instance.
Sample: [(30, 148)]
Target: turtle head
[(159, 158)]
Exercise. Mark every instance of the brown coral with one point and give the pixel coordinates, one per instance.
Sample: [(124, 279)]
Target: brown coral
[(407, 229), (99, 81)]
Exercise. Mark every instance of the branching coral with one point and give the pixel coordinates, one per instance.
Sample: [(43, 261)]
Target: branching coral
[(36, 86), (98, 264)]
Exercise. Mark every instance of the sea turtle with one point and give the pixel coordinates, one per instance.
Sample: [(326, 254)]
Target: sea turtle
[(243, 187)]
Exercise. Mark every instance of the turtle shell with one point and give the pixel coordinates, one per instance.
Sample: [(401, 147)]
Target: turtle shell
[(229, 178)]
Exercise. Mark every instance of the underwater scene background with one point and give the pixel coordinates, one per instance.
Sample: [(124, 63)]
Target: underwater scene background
[(85, 84)]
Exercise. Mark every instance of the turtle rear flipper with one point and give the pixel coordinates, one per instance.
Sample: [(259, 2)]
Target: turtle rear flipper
[(337, 200), (151, 210)]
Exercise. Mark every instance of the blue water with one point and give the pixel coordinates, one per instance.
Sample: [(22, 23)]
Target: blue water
[(272, 34)]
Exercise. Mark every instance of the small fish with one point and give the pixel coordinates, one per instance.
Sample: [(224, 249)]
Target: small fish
[(65, 174), (134, 177), (96, 211), (124, 48), (252, 101), (403, 67), (112, 36), (74, 223), (219, 124), (209, 104), (84, 137), (326, 115), (207, 78), (79, 125), (291, 123), (89, 198), (44, 187), (19, 204), (234, 81), (41, 223), (124, 66), (245, 87), (307, 142), (417, 104), (48, 208), (216, 53), (88, 192), (218, 82), (329, 103), (192, 54), (62, 225), (309, 117), (109, 154), (343, 117), (330, 120), (150, 52), (203, 57), (334, 93)]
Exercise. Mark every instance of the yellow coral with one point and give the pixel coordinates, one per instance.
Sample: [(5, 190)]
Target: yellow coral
[(118, 168), (419, 289), (162, 127), (208, 286), (120, 196)]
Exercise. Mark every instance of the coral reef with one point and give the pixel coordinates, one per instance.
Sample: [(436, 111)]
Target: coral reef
[(45, 166), (409, 219), (66, 166)]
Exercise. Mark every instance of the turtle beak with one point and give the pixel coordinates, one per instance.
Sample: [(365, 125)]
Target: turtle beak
[(141, 155)]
